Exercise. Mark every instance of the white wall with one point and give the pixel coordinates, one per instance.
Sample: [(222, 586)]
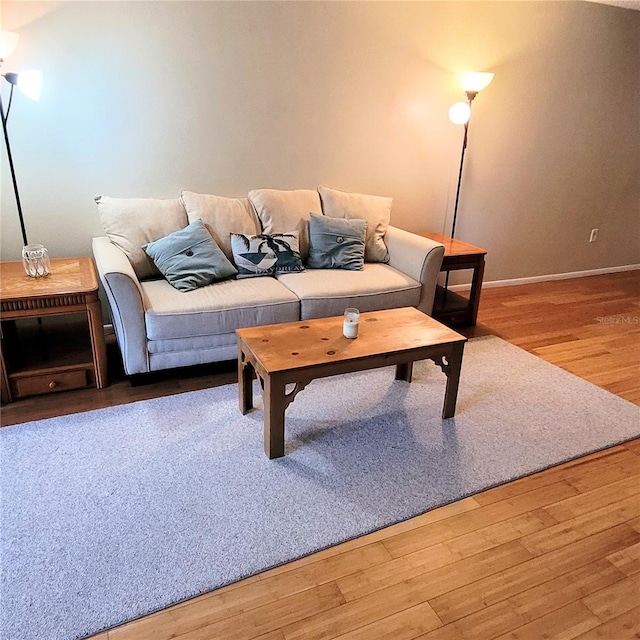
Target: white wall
[(147, 98)]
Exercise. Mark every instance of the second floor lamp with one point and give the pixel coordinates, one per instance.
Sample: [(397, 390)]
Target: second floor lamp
[(471, 83), (460, 113)]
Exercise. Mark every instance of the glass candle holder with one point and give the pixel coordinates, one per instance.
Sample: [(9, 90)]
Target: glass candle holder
[(351, 323), (35, 260)]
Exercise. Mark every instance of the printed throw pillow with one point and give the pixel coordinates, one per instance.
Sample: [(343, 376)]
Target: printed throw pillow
[(190, 258), (336, 243), (266, 254)]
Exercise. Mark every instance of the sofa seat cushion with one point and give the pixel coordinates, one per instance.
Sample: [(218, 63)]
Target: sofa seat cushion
[(328, 292), (220, 307)]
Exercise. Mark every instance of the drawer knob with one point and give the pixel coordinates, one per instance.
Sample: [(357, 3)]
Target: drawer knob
[(53, 384)]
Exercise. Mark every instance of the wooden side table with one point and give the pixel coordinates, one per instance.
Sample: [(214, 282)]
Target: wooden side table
[(449, 307), (49, 357)]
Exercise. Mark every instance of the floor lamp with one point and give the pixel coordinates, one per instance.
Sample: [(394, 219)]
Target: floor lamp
[(460, 113), (29, 82)]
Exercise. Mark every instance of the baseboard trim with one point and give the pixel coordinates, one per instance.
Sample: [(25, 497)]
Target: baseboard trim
[(549, 277)]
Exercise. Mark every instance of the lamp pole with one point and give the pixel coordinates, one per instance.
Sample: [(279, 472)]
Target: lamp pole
[(464, 148), (470, 96), (13, 171)]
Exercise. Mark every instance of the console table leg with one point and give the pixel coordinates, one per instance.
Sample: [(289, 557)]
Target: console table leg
[(453, 379), (275, 404), (404, 371)]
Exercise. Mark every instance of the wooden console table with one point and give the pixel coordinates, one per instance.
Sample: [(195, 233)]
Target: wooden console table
[(449, 307), (47, 357)]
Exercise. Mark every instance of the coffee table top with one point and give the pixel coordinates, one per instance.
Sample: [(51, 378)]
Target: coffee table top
[(295, 345)]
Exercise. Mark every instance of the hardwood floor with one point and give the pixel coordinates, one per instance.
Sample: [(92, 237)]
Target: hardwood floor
[(589, 326), (553, 555)]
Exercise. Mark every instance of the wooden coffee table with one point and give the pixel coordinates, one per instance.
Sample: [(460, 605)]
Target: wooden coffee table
[(299, 352)]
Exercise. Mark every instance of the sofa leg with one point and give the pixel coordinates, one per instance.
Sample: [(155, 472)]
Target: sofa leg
[(142, 379)]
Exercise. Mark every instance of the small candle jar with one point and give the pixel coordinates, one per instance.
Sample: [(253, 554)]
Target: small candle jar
[(35, 260), (351, 322)]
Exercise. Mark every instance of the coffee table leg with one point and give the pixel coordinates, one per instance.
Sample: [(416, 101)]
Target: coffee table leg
[(274, 407), (453, 379), (404, 371), (245, 382)]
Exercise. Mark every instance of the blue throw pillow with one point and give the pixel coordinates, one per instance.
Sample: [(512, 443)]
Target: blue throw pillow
[(266, 254), (190, 258), (336, 243)]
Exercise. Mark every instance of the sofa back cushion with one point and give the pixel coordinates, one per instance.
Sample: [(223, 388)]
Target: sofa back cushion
[(285, 211), (222, 216), (131, 223), (376, 210)]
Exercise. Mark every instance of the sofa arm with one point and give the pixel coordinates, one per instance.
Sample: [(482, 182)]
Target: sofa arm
[(125, 299), (419, 258)]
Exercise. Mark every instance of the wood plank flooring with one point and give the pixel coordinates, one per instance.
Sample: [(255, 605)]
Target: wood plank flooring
[(553, 555)]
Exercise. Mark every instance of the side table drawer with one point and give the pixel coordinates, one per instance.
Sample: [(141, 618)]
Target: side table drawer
[(49, 383)]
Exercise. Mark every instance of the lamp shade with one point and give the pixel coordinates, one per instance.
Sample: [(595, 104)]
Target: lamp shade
[(8, 43), (30, 83), (460, 113), (475, 81)]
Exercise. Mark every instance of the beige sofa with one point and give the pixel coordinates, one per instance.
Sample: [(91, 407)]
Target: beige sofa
[(158, 327)]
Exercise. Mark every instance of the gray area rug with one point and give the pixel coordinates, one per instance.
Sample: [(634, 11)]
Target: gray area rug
[(112, 514)]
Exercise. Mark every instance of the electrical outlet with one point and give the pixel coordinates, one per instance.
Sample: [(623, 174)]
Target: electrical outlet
[(594, 235)]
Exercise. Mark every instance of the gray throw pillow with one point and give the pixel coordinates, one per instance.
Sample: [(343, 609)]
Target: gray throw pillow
[(336, 243), (266, 254), (190, 258)]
